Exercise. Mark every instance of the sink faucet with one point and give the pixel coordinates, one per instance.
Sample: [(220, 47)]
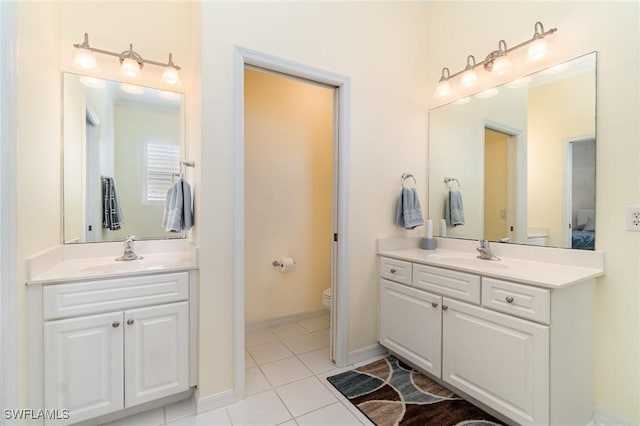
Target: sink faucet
[(485, 251), (129, 252)]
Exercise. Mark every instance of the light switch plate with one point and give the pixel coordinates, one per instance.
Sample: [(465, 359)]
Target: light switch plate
[(633, 219)]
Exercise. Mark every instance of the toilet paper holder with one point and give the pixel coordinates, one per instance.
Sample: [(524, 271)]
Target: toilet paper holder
[(277, 263)]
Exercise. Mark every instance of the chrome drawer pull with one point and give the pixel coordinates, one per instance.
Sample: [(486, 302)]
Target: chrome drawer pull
[(434, 304), (509, 299), (115, 324), (393, 271)]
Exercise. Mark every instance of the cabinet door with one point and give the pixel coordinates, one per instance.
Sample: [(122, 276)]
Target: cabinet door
[(83, 365), (500, 360), (411, 324), (157, 352)]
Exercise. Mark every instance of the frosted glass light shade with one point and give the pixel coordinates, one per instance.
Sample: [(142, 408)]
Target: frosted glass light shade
[(85, 60), (130, 68), (170, 76), (538, 49), (443, 90), (501, 65), (469, 78)]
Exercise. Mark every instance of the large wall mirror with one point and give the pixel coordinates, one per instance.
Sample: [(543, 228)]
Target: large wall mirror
[(121, 153), (522, 157)]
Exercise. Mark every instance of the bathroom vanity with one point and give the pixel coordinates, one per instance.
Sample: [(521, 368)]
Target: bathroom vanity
[(515, 335), (111, 337)]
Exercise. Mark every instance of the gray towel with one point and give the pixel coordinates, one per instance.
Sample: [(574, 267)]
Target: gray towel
[(408, 213), (178, 215), (454, 212), (111, 212)]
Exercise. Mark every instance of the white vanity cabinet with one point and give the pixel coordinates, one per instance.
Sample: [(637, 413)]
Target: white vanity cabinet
[(115, 343), (524, 351)]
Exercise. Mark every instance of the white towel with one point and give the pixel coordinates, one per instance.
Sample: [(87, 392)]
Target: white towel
[(178, 214)]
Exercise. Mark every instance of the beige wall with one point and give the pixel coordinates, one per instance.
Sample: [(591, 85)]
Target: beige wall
[(382, 48), (288, 164), (558, 112), (612, 29)]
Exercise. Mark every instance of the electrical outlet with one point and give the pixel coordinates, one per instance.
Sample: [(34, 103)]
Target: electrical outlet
[(633, 219)]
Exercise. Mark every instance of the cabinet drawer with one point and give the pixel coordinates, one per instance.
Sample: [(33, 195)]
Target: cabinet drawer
[(91, 297), (516, 299), (458, 285), (395, 270)]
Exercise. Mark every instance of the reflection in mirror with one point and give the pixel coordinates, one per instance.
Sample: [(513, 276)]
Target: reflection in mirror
[(121, 152), (524, 158)]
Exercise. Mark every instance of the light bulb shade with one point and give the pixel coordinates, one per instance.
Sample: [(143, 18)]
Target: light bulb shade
[(469, 78), (538, 49), (85, 60), (443, 90), (501, 65), (130, 68), (170, 76)]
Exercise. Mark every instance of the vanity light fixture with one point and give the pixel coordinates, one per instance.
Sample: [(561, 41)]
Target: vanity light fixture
[(496, 62), (131, 61)]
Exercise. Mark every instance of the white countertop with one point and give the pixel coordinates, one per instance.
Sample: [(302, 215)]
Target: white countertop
[(538, 273)]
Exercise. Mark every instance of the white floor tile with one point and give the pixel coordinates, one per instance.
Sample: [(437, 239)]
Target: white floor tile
[(304, 343), (288, 330), (305, 396), (255, 382), (248, 361), (331, 415), (262, 409), (147, 418), (289, 423), (258, 336), (315, 324), (357, 413), (179, 409), (212, 418), (323, 379), (323, 336), (285, 371), (269, 352), (317, 361)]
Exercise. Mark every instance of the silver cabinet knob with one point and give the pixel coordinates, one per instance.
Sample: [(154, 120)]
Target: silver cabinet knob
[(115, 324), (509, 299), (445, 307), (130, 321), (393, 271), (434, 304)]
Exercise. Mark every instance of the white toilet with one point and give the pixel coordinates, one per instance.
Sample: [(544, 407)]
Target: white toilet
[(326, 298)]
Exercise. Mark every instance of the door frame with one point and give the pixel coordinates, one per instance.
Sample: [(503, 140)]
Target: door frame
[(567, 203), (342, 99)]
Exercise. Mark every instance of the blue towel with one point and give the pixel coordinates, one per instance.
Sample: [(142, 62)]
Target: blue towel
[(408, 213), (178, 215), (454, 212), (111, 212)]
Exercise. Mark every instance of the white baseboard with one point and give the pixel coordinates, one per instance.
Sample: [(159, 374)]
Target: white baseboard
[(213, 402), (366, 354), (270, 322), (602, 417)]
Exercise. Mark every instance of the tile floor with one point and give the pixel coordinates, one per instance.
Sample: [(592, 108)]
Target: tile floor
[(285, 384)]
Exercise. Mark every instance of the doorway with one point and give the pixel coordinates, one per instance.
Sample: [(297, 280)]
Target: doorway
[(580, 193), (339, 242)]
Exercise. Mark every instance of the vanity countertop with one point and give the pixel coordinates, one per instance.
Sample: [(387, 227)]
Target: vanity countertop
[(63, 265), (532, 272)]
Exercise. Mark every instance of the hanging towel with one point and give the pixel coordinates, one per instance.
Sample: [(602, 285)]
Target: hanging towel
[(454, 212), (111, 212), (408, 213), (178, 215)]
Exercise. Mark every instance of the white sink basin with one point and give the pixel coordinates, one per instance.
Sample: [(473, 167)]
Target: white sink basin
[(473, 262), (128, 266)]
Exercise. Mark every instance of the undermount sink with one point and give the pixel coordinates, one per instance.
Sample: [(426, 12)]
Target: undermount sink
[(125, 266), (474, 261)]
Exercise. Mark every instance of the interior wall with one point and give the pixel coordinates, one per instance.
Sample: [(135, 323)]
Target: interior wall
[(457, 29), (495, 177), (288, 194), (381, 47)]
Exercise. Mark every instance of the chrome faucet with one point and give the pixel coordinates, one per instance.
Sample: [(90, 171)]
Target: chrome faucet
[(485, 251), (129, 252)]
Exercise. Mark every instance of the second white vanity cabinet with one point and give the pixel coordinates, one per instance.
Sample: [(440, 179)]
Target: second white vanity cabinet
[(521, 350), (135, 352)]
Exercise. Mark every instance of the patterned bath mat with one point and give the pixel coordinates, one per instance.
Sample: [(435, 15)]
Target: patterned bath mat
[(391, 393)]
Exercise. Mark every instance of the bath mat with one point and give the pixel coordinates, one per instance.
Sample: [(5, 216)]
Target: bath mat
[(391, 393)]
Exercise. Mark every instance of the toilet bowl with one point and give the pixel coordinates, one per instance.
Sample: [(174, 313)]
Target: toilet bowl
[(326, 298)]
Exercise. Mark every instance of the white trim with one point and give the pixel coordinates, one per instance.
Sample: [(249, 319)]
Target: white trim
[(602, 417), (8, 202), (367, 354), (242, 57), (213, 402)]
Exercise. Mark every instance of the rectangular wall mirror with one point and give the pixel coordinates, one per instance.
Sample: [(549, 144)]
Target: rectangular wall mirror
[(523, 159), (122, 147)]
